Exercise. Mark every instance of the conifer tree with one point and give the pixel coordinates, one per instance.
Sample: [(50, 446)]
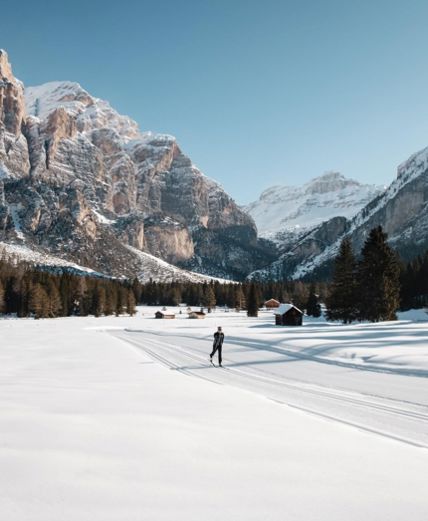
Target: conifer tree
[(99, 300), (2, 298), (209, 297), (138, 290), (39, 301), (54, 299), (253, 301), (378, 279), (239, 297), (313, 307), (111, 299), (122, 300), (130, 303), (65, 295), (342, 303), (300, 294), (81, 296)]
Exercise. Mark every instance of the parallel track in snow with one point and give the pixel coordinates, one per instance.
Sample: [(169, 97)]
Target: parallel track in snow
[(395, 419)]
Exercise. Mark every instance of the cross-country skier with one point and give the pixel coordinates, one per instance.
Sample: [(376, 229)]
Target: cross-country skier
[(217, 345)]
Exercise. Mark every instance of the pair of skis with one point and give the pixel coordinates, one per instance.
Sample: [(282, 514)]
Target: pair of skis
[(213, 364)]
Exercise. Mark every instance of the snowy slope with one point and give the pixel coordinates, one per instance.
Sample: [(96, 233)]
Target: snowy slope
[(148, 267), (17, 252), (158, 270), (100, 428), (297, 208), (380, 211)]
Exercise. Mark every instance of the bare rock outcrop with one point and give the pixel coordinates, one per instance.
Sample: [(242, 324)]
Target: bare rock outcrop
[(79, 176)]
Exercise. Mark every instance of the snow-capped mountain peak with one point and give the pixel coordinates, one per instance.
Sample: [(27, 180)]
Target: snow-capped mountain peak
[(90, 112), (295, 208)]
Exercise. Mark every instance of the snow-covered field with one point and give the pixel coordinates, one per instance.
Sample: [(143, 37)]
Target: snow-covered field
[(123, 419)]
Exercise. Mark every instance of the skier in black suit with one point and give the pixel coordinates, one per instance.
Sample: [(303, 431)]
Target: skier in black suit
[(217, 345)]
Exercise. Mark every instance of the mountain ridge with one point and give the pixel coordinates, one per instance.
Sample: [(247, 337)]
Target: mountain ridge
[(83, 182), (292, 209)]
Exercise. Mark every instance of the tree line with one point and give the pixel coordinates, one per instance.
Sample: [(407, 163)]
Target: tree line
[(371, 287), (367, 288), (30, 291), (233, 295)]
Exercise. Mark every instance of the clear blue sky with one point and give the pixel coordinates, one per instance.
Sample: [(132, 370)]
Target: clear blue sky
[(257, 92)]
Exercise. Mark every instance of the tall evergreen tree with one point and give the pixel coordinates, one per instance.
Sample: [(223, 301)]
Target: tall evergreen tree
[(122, 301), (54, 297), (39, 301), (313, 308), (378, 279), (209, 300), (2, 298), (342, 302), (253, 300), (130, 303), (239, 297), (300, 294), (99, 300)]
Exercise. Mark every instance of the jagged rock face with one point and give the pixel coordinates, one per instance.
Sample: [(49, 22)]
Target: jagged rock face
[(14, 156), (75, 172), (402, 211), (303, 248)]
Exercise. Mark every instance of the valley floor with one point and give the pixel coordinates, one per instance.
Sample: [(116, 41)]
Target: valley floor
[(123, 419)]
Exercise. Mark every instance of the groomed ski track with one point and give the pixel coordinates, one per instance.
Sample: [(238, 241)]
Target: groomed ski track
[(386, 403)]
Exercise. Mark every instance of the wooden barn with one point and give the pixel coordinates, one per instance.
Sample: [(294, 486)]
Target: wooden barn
[(271, 304), (164, 314), (288, 315), (196, 314)]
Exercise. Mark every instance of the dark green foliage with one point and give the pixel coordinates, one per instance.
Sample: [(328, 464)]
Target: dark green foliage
[(209, 300), (2, 298), (414, 283), (313, 307), (231, 295), (342, 302), (378, 279), (253, 298), (300, 294), (238, 298), (29, 291)]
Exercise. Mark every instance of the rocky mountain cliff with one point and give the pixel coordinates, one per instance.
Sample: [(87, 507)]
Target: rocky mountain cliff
[(81, 182), (401, 209)]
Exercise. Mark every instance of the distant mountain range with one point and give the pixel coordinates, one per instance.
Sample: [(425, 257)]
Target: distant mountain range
[(82, 187), (401, 208)]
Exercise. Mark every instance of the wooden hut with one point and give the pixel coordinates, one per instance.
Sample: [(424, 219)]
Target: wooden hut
[(164, 314), (288, 315), (197, 314), (271, 304)]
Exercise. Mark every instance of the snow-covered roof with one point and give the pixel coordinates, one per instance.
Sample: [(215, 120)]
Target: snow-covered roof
[(272, 301), (283, 308)]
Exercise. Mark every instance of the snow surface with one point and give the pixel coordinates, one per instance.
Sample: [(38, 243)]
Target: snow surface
[(153, 268), (34, 257), (102, 218), (123, 419), (299, 208)]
